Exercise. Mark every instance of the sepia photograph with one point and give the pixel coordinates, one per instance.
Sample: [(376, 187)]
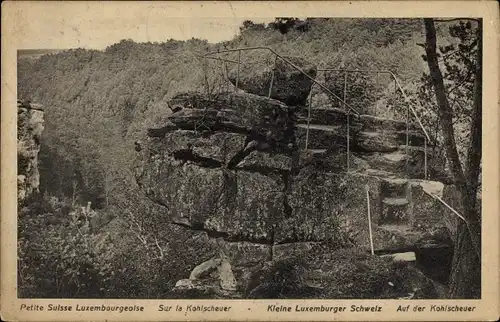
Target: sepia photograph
[(251, 158)]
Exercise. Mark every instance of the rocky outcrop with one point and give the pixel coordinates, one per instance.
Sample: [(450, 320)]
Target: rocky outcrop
[(289, 85), (270, 121), (233, 167), (29, 130)]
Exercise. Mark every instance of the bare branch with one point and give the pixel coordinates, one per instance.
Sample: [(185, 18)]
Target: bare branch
[(158, 245), (458, 19), (466, 78)]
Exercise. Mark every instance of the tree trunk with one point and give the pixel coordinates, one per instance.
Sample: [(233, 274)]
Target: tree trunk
[(469, 285), (445, 112), (465, 278)]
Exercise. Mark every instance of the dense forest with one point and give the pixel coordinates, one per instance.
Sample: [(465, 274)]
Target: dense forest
[(98, 103)]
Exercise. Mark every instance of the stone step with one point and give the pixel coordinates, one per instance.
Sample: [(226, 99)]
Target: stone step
[(327, 116), (387, 154), (415, 149), (392, 161), (321, 127), (395, 211), (326, 136), (395, 201), (376, 123), (394, 188), (395, 157), (321, 136), (379, 173), (387, 141), (433, 187), (402, 257), (332, 136), (406, 165), (403, 229), (317, 151)]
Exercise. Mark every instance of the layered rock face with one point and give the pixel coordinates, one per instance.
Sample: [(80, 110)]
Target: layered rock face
[(235, 168), (29, 130)]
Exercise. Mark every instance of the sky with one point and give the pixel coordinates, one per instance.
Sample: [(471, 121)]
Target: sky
[(98, 25)]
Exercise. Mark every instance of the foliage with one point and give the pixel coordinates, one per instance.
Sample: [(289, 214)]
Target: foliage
[(358, 90), (284, 25), (65, 259), (341, 274), (457, 54), (63, 253), (283, 279)]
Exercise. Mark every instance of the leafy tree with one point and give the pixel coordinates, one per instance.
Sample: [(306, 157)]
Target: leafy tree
[(284, 25), (250, 25), (465, 281)]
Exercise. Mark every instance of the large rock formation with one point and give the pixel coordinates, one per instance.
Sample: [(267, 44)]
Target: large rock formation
[(289, 85), (29, 131), (235, 167)]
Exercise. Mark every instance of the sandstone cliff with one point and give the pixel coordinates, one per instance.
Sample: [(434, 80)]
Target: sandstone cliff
[(29, 130)]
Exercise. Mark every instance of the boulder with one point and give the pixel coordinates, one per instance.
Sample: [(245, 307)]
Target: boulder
[(205, 269), (200, 289), (332, 207), (395, 210), (226, 276), (190, 193), (290, 85)]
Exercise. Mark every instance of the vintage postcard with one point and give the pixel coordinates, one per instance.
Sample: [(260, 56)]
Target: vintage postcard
[(250, 161)]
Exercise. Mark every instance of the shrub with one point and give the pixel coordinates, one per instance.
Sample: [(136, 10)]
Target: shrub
[(61, 257), (342, 274)]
